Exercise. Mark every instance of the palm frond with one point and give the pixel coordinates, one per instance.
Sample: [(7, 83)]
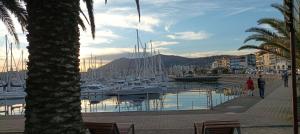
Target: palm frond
[(263, 31), (261, 52), (267, 38), (276, 24), (266, 49), (83, 14), (81, 23), (6, 19), (17, 10), (275, 45), (138, 9), (281, 8), (137, 2), (90, 8)]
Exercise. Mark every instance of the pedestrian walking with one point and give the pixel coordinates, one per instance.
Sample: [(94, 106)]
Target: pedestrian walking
[(261, 85), (285, 78), (250, 86)]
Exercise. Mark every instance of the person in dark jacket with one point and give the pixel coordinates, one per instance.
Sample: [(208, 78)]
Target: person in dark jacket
[(261, 85), (286, 79)]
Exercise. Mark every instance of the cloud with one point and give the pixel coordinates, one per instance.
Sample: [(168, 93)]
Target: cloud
[(101, 37), (168, 26), (147, 24), (106, 58), (190, 35), (266, 26), (239, 11), (157, 44), (87, 51), (220, 52)]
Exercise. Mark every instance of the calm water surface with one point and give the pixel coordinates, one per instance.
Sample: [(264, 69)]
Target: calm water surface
[(180, 96)]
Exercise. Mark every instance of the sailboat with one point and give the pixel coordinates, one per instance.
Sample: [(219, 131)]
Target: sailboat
[(146, 69), (12, 85)]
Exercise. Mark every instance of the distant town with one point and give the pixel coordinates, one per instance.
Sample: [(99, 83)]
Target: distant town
[(176, 66)]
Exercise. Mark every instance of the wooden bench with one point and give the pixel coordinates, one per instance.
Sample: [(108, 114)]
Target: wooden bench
[(217, 127), (109, 128)]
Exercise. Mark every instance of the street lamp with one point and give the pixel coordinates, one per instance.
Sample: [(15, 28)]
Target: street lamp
[(290, 25)]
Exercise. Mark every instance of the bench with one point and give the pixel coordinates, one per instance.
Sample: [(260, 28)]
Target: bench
[(109, 128), (217, 127)]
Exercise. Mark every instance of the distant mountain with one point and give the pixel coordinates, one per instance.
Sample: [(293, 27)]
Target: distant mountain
[(168, 61), (205, 62)]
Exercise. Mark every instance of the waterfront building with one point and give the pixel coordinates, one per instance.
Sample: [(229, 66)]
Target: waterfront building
[(221, 63), (215, 64), (242, 63), (271, 63)]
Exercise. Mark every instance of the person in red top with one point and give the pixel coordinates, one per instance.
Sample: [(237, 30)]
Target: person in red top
[(250, 86)]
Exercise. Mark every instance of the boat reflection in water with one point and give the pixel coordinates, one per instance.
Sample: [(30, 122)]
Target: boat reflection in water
[(188, 98), (178, 96)]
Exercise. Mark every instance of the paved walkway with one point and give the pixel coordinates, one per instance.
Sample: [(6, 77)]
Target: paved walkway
[(269, 115)]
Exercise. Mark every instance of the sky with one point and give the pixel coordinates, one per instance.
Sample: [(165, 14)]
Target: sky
[(190, 28)]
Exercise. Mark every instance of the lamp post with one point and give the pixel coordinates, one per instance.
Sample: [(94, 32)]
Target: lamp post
[(290, 25)]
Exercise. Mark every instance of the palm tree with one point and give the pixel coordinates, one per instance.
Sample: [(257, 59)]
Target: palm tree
[(276, 40), (15, 8), (53, 83)]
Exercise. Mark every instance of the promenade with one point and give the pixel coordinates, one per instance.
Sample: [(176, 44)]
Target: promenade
[(270, 115)]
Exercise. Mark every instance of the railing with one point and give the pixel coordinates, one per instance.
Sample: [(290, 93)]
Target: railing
[(203, 97), (180, 99)]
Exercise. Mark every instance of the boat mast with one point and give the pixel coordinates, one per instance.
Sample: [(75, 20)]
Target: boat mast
[(90, 67), (23, 77), (152, 59), (155, 62), (6, 60), (136, 62), (145, 60), (84, 69), (159, 64), (11, 66), (138, 53), (22, 60)]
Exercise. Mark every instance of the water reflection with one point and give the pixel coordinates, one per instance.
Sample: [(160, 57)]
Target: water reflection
[(182, 96)]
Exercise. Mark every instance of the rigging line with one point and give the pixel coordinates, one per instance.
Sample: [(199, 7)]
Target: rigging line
[(296, 10), (297, 2), (18, 63), (16, 68), (4, 67)]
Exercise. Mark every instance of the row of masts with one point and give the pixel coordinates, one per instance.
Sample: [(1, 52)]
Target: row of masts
[(147, 64), (11, 73), (91, 72)]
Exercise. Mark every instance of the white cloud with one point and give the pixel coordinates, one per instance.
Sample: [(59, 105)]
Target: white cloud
[(148, 23), (239, 11), (157, 44), (87, 51), (120, 10), (190, 35), (168, 26), (266, 26), (212, 53), (101, 37)]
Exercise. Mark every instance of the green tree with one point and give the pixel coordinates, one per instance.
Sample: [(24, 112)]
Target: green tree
[(53, 83), (275, 40), (15, 8)]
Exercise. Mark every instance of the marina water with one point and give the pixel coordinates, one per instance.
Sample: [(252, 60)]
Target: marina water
[(178, 96)]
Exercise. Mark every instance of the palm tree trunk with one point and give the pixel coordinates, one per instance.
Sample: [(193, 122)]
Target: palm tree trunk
[(53, 83)]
